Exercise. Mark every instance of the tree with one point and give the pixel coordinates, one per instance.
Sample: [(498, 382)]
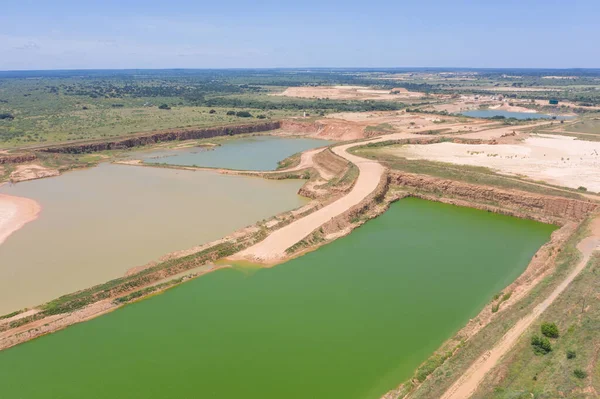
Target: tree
[(550, 330), (541, 345), (579, 373)]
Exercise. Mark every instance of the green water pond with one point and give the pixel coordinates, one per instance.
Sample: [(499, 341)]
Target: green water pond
[(351, 320)]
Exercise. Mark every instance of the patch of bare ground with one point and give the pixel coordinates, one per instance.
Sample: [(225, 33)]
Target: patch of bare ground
[(555, 159), (30, 172), (347, 126), (16, 212), (349, 93)]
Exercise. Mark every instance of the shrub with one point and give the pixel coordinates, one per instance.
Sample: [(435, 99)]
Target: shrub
[(579, 373), (243, 114), (541, 345), (581, 188), (261, 116), (230, 113), (6, 115), (550, 330), (571, 354), (163, 106), (212, 111)]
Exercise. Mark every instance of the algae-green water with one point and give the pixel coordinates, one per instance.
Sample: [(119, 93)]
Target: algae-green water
[(248, 153), (351, 320)]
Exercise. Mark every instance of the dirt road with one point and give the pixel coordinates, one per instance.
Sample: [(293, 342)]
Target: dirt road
[(273, 247), (467, 384)]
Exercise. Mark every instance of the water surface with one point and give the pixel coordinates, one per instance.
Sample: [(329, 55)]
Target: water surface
[(249, 153), (490, 113), (97, 223), (350, 320)]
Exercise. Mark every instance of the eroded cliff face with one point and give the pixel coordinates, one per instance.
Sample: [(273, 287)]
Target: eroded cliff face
[(17, 158), (555, 207), (170, 135)]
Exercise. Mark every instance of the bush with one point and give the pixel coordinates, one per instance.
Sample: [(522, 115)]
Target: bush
[(571, 355), (579, 373), (163, 106), (243, 114), (261, 116), (230, 113), (212, 111), (6, 115), (581, 188), (541, 345), (550, 330)]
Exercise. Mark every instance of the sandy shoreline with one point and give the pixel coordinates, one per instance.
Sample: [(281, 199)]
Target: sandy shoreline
[(15, 212)]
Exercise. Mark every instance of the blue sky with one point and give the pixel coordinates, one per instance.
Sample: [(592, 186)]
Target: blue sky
[(303, 33)]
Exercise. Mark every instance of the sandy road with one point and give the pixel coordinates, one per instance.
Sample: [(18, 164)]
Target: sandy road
[(467, 384), (272, 248)]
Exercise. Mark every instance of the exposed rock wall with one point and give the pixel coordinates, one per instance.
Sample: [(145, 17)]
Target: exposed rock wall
[(170, 135), (17, 158), (556, 207)]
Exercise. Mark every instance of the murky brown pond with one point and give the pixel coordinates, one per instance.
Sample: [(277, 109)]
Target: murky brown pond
[(97, 223)]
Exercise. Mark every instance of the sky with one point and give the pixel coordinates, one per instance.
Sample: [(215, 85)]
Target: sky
[(109, 34)]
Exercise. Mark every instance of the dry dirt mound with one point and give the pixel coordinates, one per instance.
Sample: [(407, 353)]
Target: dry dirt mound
[(31, 171)]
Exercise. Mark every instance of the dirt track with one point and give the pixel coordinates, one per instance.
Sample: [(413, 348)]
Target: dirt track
[(467, 384), (274, 246)]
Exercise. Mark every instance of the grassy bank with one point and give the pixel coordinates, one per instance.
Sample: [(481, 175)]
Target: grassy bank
[(572, 368)]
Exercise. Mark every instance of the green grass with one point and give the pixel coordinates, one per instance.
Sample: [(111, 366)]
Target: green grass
[(577, 314), (591, 126), (289, 162), (381, 128)]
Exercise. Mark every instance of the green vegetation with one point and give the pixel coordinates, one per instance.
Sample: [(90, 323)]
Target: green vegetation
[(500, 298), (586, 125), (289, 162), (541, 345), (57, 106), (579, 373), (382, 128), (550, 330), (577, 314)]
